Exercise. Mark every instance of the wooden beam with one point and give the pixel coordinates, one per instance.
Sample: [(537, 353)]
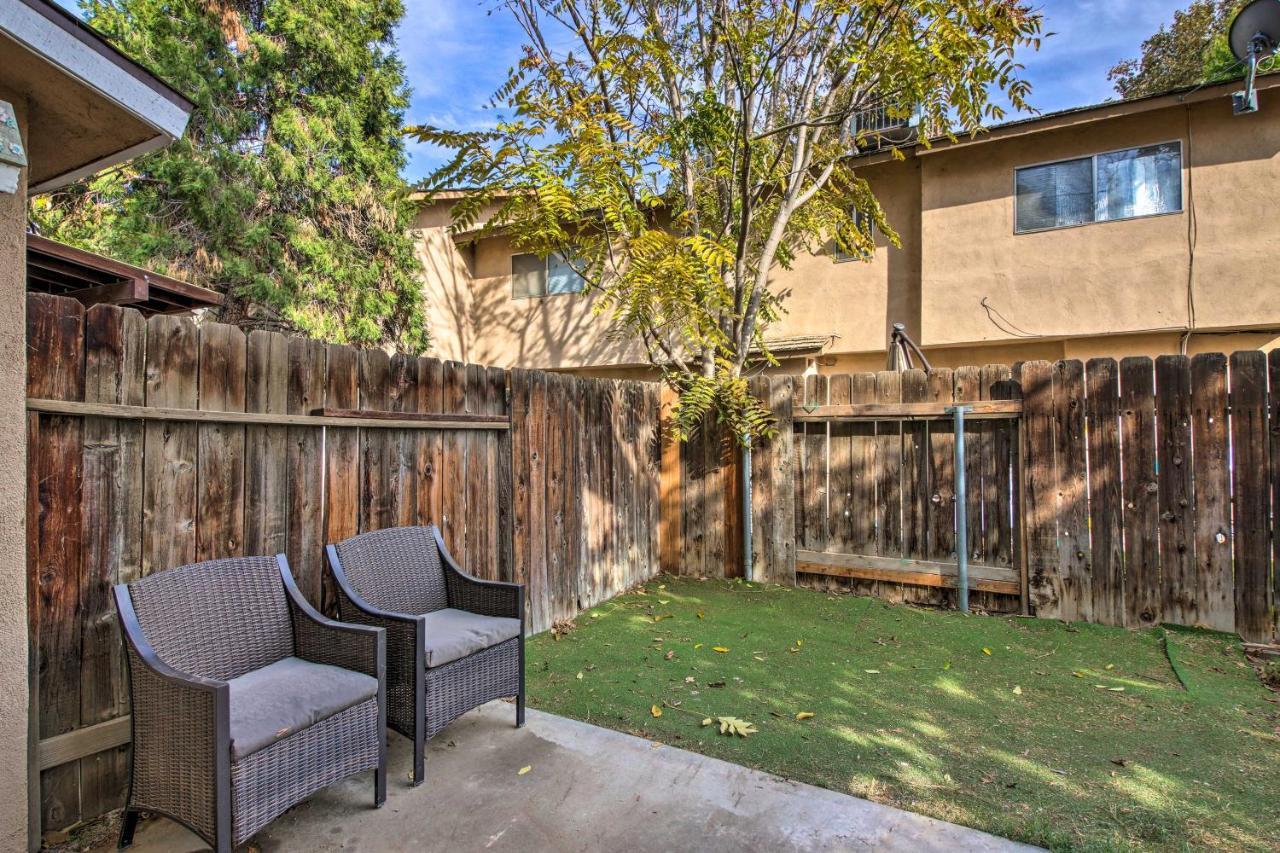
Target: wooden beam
[(980, 409), (1001, 579), (418, 417), (84, 742), (155, 413), (128, 292)]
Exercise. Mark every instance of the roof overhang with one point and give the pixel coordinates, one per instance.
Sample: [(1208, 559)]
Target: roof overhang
[(54, 267), (89, 106), (1073, 117)]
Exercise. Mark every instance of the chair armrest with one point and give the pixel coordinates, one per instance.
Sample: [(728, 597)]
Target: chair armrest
[(406, 632), (488, 598), (180, 727), (318, 639)]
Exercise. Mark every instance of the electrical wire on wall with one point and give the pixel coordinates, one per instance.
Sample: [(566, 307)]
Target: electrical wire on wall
[(1191, 238)]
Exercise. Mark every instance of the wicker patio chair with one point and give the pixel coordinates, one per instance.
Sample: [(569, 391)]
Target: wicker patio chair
[(454, 642), (245, 699)]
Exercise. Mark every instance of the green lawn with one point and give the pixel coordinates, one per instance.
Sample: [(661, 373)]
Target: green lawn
[(1034, 741)]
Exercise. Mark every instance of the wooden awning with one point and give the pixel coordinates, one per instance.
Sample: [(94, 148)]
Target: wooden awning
[(63, 270)]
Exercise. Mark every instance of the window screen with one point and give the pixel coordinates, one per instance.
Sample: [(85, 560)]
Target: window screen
[(528, 276), (1139, 182), (1055, 195)]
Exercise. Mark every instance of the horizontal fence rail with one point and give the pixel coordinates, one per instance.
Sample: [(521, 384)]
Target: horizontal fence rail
[(328, 417), (155, 442)]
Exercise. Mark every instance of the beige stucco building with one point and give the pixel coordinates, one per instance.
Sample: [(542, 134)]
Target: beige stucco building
[(1127, 228)]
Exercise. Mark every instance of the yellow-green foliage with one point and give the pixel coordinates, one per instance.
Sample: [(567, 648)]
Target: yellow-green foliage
[(678, 152)]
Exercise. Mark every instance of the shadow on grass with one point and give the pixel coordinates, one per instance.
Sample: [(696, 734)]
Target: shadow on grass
[(1069, 736)]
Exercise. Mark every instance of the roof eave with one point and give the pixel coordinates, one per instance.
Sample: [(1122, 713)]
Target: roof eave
[(67, 44)]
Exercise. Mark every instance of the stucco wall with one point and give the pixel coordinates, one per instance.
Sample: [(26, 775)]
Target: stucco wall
[(860, 300), (1108, 277), (13, 450), (1110, 288), (473, 316)]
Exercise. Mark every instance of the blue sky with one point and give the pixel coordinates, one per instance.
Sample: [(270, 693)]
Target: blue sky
[(457, 53)]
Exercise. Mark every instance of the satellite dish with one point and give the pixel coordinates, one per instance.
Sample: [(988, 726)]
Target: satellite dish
[(1253, 37)]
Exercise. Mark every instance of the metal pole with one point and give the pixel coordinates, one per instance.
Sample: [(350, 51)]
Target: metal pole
[(962, 511), (747, 556)]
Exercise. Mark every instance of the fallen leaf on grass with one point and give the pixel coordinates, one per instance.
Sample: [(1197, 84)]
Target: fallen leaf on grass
[(579, 676), (715, 684), (947, 665), (701, 614), (689, 679), (721, 649), (595, 615), (804, 715), (655, 710), (697, 645), (524, 770), (986, 651), (733, 726), (1077, 673), (1120, 762), (872, 671), (1017, 690), (1111, 666), (757, 657)]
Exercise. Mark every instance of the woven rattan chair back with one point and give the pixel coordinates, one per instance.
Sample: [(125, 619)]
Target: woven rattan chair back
[(218, 619), (396, 569)]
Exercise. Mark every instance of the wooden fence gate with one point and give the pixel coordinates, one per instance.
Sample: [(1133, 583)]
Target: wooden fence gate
[(876, 483)]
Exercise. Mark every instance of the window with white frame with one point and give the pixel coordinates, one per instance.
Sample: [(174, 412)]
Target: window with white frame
[(1132, 182), (534, 276)]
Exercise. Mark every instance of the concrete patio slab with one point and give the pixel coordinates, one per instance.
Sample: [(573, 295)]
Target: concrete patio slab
[(588, 789)]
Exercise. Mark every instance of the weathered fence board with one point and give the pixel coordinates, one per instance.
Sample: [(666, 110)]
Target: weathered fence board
[(117, 494), (1106, 554), (1211, 473), (1251, 502)]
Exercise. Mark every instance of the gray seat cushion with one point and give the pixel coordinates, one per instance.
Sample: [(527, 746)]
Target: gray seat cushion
[(285, 697), (454, 634)]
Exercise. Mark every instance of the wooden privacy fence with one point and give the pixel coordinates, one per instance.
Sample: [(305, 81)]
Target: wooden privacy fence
[(1126, 493), (156, 442)]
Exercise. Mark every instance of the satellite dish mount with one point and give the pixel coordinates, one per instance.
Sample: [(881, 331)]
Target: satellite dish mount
[(1253, 38)]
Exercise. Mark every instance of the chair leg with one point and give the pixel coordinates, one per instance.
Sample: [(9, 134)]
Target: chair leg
[(127, 826), (520, 710), (419, 756), (380, 784)]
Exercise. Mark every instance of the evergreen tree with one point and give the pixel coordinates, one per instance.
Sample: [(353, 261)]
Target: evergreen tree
[(285, 192)]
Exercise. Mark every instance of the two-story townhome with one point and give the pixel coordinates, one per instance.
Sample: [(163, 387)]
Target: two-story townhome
[(1134, 227)]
